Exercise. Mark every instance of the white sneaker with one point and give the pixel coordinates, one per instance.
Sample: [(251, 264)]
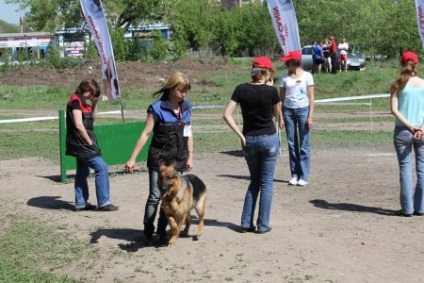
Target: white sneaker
[(293, 181), (302, 183)]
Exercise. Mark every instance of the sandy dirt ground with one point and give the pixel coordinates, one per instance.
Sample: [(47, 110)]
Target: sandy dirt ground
[(339, 228)]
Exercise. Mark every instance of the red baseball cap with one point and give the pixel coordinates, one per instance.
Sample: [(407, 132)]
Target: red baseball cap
[(263, 62), (409, 56), (292, 55)]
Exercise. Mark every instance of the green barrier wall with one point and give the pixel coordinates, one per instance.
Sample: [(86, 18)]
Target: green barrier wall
[(116, 142)]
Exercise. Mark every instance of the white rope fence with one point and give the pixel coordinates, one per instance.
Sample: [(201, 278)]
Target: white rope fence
[(339, 100)]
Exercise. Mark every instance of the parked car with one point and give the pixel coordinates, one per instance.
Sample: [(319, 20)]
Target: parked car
[(307, 62), (355, 59)]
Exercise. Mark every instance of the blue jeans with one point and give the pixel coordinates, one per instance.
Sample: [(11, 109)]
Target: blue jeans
[(403, 142), (152, 206), (261, 154), (299, 141), (101, 181)]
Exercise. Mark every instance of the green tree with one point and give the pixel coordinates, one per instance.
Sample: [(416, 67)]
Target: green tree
[(191, 22), (91, 51), (120, 46), (134, 50), (51, 15), (377, 26), (256, 34), (159, 49)]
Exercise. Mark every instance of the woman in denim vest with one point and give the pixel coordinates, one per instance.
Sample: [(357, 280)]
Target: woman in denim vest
[(169, 118)]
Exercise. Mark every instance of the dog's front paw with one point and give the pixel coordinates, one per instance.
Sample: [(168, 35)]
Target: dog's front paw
[(171, 242)]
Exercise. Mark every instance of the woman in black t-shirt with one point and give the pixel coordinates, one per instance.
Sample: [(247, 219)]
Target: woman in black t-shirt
[(259, 104)]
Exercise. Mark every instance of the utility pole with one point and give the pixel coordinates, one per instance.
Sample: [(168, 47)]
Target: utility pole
[(21, 24)]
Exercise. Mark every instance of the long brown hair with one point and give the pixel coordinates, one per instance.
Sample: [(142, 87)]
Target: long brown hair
[(89, 85), (409, 69)]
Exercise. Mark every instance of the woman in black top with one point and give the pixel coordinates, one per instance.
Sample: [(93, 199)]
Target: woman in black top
[(259, 104), (81, 142)]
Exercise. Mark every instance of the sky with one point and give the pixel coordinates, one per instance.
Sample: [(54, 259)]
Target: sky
[(8, 13)]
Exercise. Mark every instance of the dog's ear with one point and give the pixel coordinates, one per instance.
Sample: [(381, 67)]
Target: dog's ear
[(162, 165)]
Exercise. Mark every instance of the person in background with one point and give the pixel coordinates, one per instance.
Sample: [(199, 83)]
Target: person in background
[(343, 47), (169, 118), (81, 142), (318, 56), (334, 55), (259, 104), (326, 46), (407, 106), (297, 96)]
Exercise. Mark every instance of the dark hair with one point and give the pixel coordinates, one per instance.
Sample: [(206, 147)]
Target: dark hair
[(296, 63), (89, 85), (259, 74), (408, 69)]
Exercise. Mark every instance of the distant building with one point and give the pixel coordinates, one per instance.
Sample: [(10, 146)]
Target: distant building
[(144, 30), (143, 33), (71, 42), (28, 45)]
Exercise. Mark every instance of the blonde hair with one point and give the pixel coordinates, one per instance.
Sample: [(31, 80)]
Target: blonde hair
[(408, 70), (176, 80), (89, 85)]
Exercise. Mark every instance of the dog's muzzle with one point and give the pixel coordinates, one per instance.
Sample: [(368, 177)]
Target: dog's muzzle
[(164, 190)]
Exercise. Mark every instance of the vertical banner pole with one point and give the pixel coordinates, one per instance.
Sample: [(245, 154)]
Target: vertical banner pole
[(96, 20)]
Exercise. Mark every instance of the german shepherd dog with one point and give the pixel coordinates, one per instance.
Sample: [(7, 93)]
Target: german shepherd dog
[(180, 194)]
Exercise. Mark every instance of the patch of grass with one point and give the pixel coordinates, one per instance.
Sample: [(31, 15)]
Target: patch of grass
[(30, 251), (214, 88), (29, 143), (330, 139)]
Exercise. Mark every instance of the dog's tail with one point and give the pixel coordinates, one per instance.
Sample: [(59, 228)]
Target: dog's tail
[(199, 187)]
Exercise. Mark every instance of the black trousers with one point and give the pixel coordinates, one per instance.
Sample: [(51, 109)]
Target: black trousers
[(334, 63)]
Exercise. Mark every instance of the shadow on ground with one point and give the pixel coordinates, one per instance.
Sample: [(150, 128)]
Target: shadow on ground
[(136, 240), (240, 177), (352, 207), (50, 202)]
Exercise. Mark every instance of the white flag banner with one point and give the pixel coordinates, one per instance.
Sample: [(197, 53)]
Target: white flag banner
[(285, 24), (419, 5), (96, 20)]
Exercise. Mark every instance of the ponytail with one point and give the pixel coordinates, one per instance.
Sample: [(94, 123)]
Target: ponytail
[(408, 70)]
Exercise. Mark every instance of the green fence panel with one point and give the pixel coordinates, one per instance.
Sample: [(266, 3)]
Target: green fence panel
[(116, 141)]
